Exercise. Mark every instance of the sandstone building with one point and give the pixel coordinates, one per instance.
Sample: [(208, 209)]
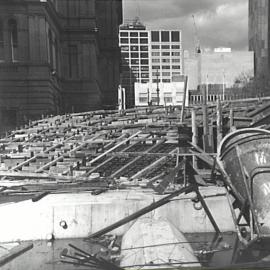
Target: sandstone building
[(57, 56)]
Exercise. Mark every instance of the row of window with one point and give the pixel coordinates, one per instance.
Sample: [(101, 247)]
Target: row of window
[(154, 47), (134, 40), (133, 34), (156, 36), (134, 48), (145, 55), (135, 55), (166, 67), (146, 74), (137, 61), (165, 36), (166, 53), (142, 68), (157, 47), (157, 60)]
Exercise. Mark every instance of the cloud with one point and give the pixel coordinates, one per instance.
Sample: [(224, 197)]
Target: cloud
[(219, 22)]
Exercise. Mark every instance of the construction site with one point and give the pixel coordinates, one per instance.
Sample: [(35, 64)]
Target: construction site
[(125, 146), (143, 188)]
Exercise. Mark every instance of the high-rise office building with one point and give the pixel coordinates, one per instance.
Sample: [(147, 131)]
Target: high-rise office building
[(148, 56), (259, 41)]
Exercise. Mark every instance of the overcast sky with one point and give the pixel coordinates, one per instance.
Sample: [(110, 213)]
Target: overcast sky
[(220, 23)]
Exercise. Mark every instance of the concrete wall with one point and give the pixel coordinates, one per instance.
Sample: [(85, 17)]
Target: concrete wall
[(85, 214)]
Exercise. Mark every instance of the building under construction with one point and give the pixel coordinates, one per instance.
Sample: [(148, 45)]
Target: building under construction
[(133, 180), (152, 187)]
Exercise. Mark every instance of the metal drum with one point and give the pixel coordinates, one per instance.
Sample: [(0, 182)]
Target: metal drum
[(244, 158)]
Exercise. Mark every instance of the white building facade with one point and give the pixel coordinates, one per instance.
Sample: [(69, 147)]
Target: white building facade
[(148, 56)]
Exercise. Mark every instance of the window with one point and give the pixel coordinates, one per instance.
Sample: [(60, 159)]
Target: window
[(143, 34), (165, 37), (167, 96), (175, 36), (176, 60), (166, 74), (123, 34), (124, 40), (13, 38), (165, 67), (145, 75), (144, 55), (175, 53), (165, 46), (155, 67), (155, 98), (165, 53), (134, 48), (143, 97), (73, 61), (144, 80), (165, 60), (176, 73), (176, 47), (155, 53), (144, 68), (125, 55), (144, 62), (144, 48), (133, 34), (124, 48), (134, 55), (155, 60), (50, 47), (1, 41), (176, 67), (144, 40), (136, 68), (155, 36), (166, 81), (155, 47), (134, 61), (134, 40)]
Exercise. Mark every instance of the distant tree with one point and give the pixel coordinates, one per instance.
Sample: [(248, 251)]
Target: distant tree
[(244, 79)]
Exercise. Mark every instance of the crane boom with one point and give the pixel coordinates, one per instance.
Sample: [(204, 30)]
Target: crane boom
[(196, 36)]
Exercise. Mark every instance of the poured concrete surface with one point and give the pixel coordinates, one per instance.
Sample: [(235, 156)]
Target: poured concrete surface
[(84, 214)]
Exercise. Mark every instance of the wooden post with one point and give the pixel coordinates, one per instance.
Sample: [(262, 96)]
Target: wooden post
[(184, 100), (231, 120), (211, 137), (194, 135), (219, 122), (205, 122)]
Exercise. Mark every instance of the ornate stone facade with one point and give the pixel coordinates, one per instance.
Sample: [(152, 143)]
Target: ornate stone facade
[(57, 56)]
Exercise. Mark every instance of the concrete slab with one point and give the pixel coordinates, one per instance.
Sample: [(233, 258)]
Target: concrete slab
[(84, 214)]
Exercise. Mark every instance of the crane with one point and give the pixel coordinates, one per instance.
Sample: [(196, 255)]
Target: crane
[(196, 36)]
